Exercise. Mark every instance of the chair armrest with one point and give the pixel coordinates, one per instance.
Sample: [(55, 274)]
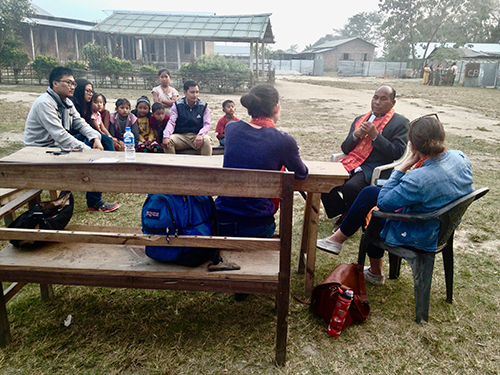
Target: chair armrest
[(378, 170), (338, 157), (426, 216)]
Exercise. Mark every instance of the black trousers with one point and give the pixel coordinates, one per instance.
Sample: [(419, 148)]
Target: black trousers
[(336, 204)]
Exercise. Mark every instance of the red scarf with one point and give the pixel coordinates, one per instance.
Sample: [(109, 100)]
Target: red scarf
[(364, 147), (263, 121)]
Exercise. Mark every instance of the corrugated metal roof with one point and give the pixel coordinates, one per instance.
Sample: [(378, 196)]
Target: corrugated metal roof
[(244, 28), (327, 46), (60, 24)]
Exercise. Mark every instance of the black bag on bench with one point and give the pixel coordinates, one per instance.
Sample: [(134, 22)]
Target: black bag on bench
[(54, 215), (174, 215)]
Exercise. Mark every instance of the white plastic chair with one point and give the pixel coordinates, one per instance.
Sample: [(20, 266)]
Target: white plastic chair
[(378, 170)]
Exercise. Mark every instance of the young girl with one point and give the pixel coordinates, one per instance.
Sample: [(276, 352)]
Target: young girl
[(163, 93), (119, 120), (100, 117), (147, 139)]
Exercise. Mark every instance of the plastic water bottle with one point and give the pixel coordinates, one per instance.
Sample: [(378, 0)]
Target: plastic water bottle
[(340, 312), (128, 140)]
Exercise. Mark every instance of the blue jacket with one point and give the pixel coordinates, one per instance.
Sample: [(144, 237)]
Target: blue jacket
[(441, 180)]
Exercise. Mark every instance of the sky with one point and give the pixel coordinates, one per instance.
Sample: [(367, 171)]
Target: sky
[(293, 22)]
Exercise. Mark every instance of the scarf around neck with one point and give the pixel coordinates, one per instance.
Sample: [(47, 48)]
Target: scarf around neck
[(263, 121), (364, 147)]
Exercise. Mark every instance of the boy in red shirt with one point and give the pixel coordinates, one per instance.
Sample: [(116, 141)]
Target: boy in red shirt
[(158, 120), (229, 109)]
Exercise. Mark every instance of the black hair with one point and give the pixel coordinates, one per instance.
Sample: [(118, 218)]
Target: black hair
[(226, 102), (261, 100), (164, 70), (427, 135), (189, 84), (143, 99), (156, 106), (57, 73), (78, 98), (122, 101)]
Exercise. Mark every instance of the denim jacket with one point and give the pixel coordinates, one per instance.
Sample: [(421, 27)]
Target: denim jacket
[(441, 180)]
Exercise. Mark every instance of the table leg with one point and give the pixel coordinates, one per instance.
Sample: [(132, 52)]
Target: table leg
[(313, 201)]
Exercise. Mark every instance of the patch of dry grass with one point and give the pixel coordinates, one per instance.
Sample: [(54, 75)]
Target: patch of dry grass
[(118, 331)]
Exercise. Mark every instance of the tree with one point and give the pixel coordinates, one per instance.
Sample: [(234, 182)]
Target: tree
[(365, 25), (408, 22), (93, 53), (294, 48), (12, 13)]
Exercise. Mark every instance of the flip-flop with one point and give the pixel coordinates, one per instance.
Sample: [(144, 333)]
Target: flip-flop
[(223, 266)]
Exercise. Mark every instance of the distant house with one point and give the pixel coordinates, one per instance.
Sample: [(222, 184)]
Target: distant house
[(470, 51), (353, 49), (155, 38)]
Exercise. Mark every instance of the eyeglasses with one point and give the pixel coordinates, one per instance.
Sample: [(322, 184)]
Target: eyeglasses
[(426, 116), (90, 92), (68, 82)]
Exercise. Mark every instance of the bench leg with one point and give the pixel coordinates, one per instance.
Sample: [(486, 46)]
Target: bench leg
[(47, 292), (5, 337)]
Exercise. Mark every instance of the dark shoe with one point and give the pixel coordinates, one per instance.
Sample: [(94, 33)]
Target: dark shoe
[(238, 297), (104, 207)]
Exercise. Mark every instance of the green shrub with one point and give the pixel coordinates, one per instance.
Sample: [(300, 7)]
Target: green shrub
[(79, 68), (43, 66), (115, 68), (216, 73), (11, 57), (147, 68), (93, 53)]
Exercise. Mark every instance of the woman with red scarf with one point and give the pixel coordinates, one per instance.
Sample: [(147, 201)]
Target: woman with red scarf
[(257, 144), (430, 178)]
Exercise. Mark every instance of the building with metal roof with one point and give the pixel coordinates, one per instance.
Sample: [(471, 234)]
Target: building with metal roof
[(352, 49), (176, 38), (156, 38)]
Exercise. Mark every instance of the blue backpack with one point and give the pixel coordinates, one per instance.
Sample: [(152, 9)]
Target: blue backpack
[(174, 215)]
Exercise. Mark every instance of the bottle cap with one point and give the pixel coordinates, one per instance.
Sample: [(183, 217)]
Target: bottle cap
[(349, 293), (127, 129)]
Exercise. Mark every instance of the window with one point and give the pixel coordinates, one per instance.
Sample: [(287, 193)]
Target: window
[(346, 56), (187, 48), (365, 57)]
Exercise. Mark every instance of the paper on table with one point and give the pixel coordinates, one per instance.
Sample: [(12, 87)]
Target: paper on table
[(105, 160)]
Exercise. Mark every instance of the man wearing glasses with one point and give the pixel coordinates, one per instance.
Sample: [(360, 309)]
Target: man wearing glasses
[(53, 119)]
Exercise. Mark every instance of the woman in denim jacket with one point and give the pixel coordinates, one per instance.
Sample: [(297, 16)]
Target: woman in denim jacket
[(428, 179)]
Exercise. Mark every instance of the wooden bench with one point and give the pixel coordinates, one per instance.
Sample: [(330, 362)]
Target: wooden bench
[(216, 150), (114, 256)]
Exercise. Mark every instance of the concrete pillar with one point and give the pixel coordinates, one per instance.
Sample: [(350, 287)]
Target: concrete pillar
[(76, 46), (165, 50), (110, 47), (263, 60), (32, 40), (178, 54), (56, 43), (121, 47), (251, 57)]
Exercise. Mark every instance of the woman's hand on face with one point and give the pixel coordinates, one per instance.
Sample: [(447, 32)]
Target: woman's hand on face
[(409, 162)]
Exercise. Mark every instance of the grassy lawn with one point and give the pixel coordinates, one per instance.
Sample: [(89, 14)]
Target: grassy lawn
[(124, 331)]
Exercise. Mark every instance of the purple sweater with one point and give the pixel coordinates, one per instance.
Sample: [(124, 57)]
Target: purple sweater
[(250, 148)]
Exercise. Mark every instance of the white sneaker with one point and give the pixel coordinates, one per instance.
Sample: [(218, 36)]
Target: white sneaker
[(329, 246), (373, 279)]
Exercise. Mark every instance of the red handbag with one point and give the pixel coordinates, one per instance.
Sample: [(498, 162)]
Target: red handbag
[(324, 295)]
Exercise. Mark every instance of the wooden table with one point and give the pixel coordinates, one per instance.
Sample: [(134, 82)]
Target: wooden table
[(323, 176)]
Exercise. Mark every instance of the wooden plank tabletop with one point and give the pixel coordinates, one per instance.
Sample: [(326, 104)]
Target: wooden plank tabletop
[(323, 176)]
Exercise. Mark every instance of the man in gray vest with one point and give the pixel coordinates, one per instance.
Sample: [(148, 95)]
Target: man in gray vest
[(189, 123)]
